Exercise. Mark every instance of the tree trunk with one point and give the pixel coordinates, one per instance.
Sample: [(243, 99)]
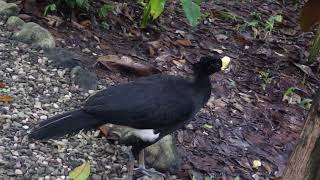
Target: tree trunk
[(304, 163)]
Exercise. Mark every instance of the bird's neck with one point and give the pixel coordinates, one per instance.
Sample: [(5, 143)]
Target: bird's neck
[(202, 87)]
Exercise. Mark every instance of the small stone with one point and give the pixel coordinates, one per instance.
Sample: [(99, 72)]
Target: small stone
[(55, 105), (18, 172), (2, 148), (43, 117), (32, 146), (86, 50), (25, 127), (17, 165)]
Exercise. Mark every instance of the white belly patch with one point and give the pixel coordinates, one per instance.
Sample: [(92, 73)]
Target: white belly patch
[(146, 134)]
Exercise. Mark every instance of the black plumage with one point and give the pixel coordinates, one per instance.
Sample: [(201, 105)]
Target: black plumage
[(163, 103)]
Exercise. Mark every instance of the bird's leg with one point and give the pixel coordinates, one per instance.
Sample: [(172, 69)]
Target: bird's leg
[(141, 159), (130, 166), (141, 168)]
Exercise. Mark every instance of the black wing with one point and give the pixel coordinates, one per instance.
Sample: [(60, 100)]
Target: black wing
[(148, 103)]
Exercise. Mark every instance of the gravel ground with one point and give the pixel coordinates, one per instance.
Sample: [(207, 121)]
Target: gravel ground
[(41, 90)]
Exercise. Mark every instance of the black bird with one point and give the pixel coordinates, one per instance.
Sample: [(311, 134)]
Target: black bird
[(154, 106)]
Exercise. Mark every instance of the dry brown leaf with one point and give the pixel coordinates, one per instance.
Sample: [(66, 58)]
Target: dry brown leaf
[(184, 42), (24, 17), (307, 70), (4, 98), (54, 21), (114, 62), (2, 85), (85, 23)]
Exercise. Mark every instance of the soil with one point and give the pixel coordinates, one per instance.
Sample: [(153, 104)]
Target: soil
[(246, 120)]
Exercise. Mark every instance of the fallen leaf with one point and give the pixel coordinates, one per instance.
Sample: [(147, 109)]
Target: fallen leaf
[(81, 172), (85, 23), (114, 62), (24, 17), (221, 37), (255, 176), (267, 167), (292, 98), (307, 70), (4, 98), (180, 136), (184, 42), (219, 51), (2, 85), (155, 44), (54, 21)]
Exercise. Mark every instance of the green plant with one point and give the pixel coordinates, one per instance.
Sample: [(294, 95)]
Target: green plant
[(104, 10), (49, 8), (192, 11), (257, 23), (155, 8), (269, 24), (315, 48), (83, 4), (266, 79)]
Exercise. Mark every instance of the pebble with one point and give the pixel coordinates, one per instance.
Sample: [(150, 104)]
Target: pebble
[(41, 90), (32, 146), (18, 172), (43, 117)]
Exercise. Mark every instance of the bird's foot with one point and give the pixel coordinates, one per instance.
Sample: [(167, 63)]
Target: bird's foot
[(149, 172)]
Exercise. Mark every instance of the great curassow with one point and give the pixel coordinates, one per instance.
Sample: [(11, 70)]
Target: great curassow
[(154, 106)]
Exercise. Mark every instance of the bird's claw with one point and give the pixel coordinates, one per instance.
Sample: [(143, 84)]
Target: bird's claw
[(149, 172)]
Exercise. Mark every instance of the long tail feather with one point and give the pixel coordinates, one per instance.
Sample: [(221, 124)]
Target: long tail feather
[(63, 124)]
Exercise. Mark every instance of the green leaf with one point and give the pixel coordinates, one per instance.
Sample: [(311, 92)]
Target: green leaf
[(70, 3), (192, 11), (278, 18), (146, 14), (289, 91), (315, 48), (208, 126), (81, 172), (306, 103), (80, 3), (49, 8), (157, 7), (207, 178), (270, 22), (237, 178), (104, 10)]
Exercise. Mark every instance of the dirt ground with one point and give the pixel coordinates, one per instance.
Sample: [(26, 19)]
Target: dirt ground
[(246, 119)]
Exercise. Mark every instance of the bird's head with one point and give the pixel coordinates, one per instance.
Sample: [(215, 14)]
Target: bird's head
[(210, 64)]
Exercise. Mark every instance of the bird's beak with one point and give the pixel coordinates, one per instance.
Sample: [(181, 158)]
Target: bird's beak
[(225, 63)]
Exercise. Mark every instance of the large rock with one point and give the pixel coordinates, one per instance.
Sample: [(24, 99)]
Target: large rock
[(36, 35), (162, 156), (8, 9), (14, 22)]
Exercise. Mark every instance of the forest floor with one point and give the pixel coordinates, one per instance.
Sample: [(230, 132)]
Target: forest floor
[(246, 120)]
